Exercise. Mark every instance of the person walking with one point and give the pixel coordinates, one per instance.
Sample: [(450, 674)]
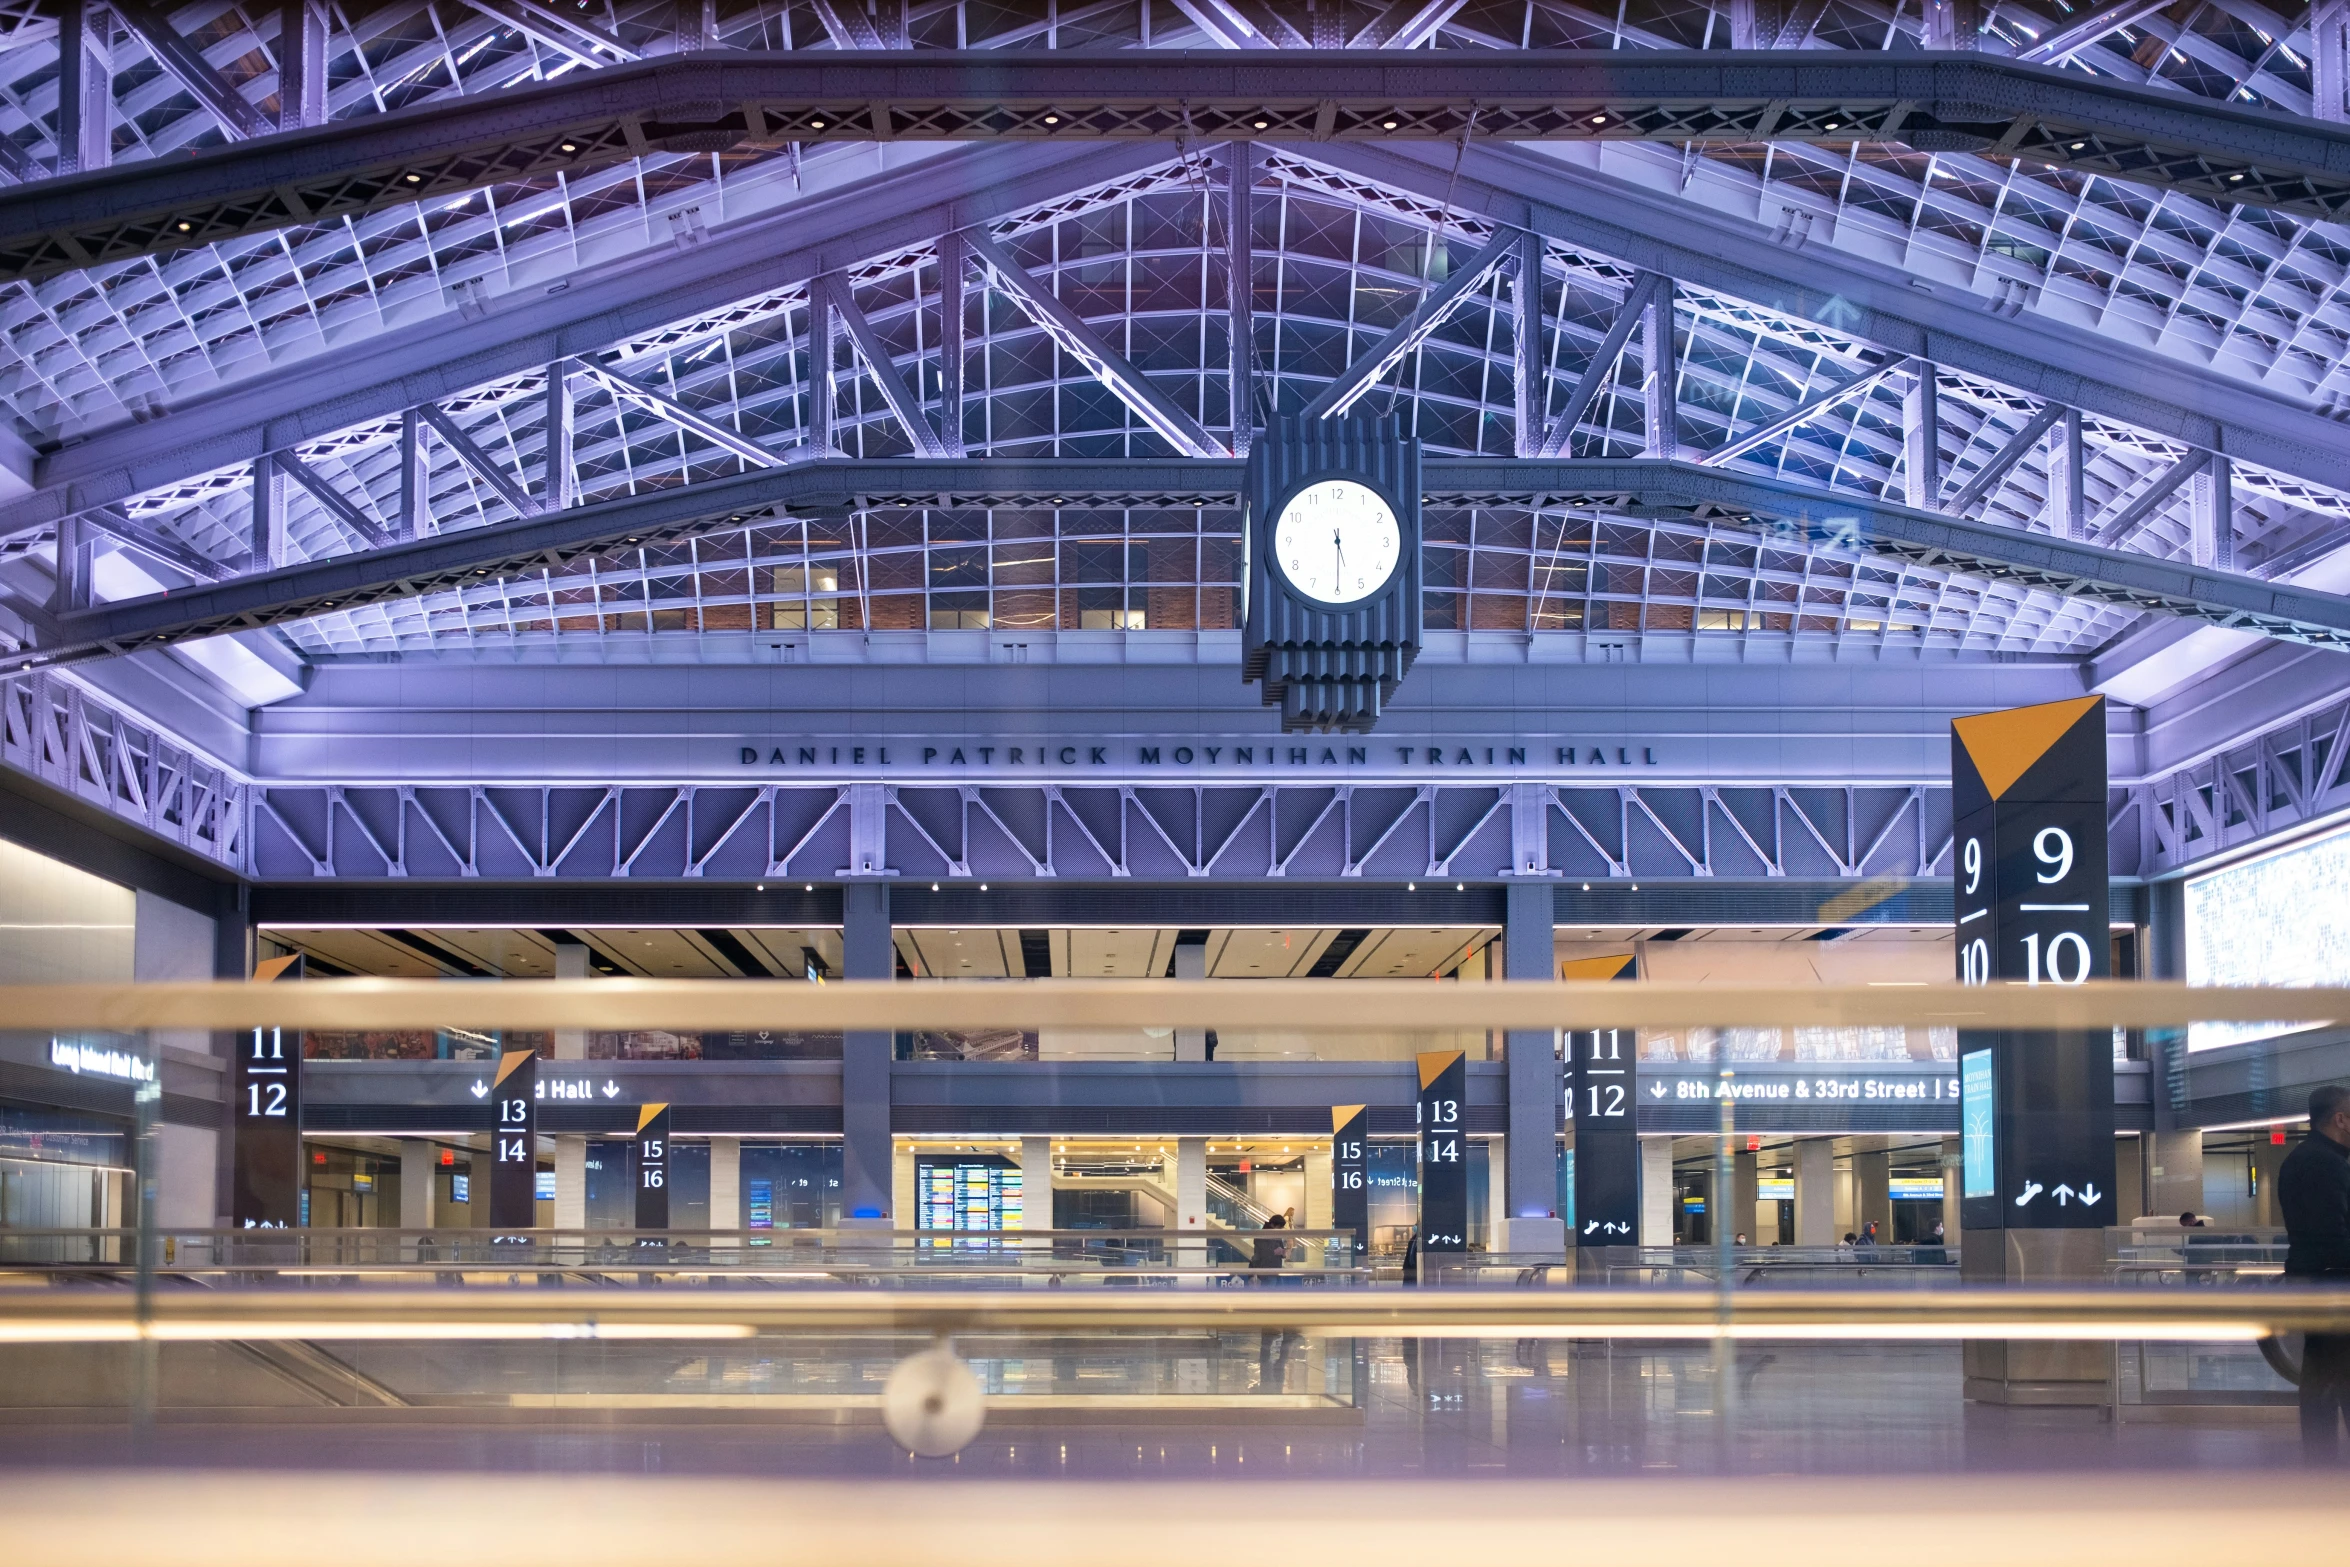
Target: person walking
[(1272, 1247), (2313, 1193)]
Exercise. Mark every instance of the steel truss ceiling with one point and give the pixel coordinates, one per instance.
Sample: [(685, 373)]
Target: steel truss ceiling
[(1143, 265), (2063, 123), (1101, 326)]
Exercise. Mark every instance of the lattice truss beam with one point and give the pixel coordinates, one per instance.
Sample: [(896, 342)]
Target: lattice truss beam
[(54, 730), (1102, 326), (1018, 832), (2257, 292), (2293, 774)]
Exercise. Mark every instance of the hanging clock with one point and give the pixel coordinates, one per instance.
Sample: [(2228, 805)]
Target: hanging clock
[(1333, 608)]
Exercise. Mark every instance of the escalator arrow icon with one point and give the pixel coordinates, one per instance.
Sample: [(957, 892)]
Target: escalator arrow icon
[(480, 1089), (611, 1089)]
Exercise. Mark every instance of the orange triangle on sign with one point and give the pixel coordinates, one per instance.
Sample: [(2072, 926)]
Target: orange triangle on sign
[(271, 968), (1596, 968), (2003, 746), (1433, 1063), (645, 1114), (511, 1060), (1341, 1114)]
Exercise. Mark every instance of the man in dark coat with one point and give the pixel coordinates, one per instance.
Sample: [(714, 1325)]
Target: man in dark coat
[(2313, 1192)]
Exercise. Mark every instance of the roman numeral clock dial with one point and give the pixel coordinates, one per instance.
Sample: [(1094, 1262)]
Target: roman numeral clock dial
[(1337, 541)]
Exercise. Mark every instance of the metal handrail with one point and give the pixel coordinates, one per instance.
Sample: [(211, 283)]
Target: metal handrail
[(2240, 1315)]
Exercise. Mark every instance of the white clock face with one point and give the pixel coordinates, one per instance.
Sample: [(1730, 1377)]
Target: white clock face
[(1337, 541)]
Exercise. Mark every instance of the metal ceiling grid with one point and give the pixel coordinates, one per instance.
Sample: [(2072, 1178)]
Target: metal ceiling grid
[(1146, 262)]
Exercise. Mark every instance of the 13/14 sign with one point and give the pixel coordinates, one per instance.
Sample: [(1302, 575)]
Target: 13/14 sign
[(1444, 1152)]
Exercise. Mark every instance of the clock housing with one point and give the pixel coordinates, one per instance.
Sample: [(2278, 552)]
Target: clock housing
[(1330, 649)]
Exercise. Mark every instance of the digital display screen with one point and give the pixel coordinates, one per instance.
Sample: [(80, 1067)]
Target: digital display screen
[(460, 1189), (2281, 919), (546, 1186), (1976, 1118)]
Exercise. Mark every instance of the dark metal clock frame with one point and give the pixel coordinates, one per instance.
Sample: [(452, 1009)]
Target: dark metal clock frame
[(1330, 667)]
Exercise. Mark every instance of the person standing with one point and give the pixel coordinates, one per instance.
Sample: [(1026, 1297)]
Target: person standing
[(2313, 1192)]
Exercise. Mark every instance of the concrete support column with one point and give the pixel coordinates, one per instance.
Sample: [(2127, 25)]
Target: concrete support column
[(905, 1202), (2266, 1156), (1191, 962), (2174, 1173), (418, 1164), (1191, 1197), (1656, 1191), (1315, 1214), (173, 942), (1532, 1176), (1497, 1197), (726, 1183), (1036, 1183), (867, 952), (1953, 1169), (1815, 1191), (1745, 1195), (571, 1182), (571, 962), (1872, 1193)]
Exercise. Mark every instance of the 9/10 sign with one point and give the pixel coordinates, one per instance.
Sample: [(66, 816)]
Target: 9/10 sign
[(2030, 881)]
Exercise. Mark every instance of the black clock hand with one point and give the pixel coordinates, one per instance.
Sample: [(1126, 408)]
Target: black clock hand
[(1338, 547)]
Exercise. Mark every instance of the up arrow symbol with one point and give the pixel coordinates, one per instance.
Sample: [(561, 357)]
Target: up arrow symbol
[(480, 1089), (611, 1089), (2063, 1195)]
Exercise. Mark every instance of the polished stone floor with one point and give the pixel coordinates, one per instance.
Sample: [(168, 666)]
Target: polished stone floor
[(1218, 1405)]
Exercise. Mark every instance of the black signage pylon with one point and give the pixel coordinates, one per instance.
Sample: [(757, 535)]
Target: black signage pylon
[(514, 1157), (1444, 1153), (1603, 1098), (1350, 1173), (652, 1171), (2029, 853), (265, 1184)]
